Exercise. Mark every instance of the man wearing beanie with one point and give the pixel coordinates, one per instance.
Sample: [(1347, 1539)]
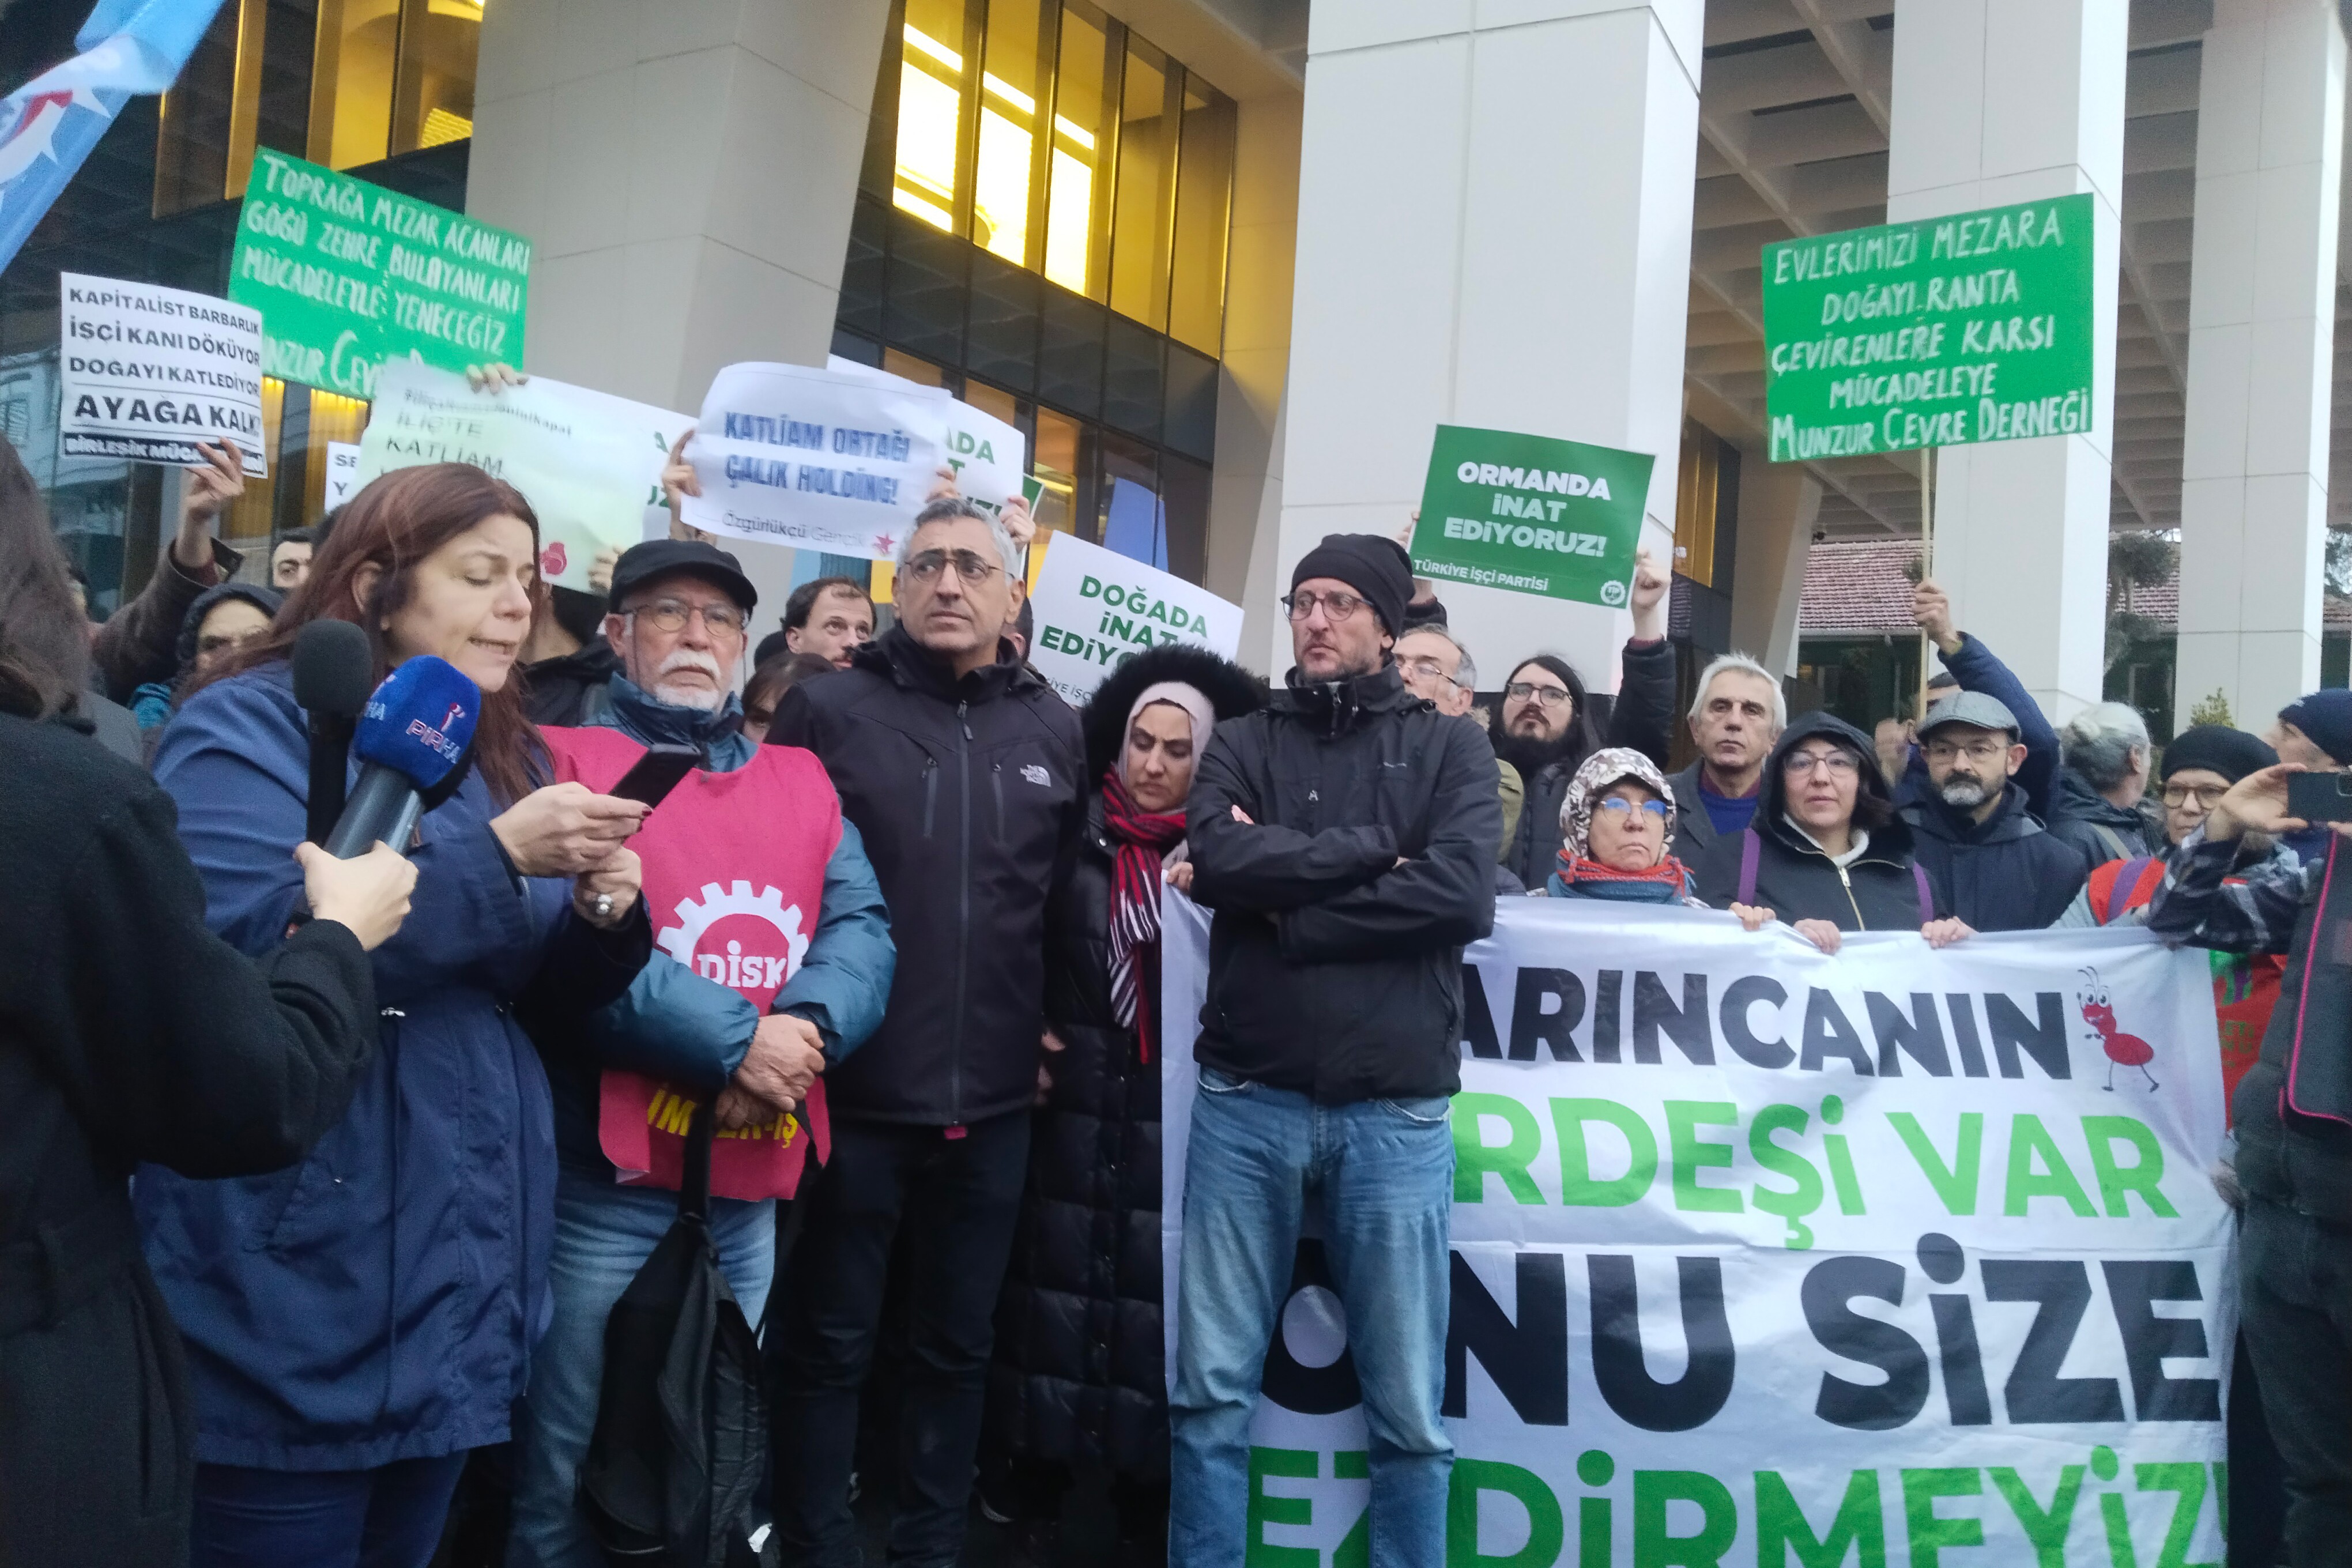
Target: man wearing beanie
[(1345, 837), (2314, 731)]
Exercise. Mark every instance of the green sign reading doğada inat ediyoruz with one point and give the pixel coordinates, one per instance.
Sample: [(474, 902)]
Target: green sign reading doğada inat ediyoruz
[(1949, 330), (347, 275)]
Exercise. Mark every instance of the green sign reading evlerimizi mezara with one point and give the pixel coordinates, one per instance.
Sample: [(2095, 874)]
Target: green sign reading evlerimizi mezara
[(1975, 327), (1531, 514), (347, 275)]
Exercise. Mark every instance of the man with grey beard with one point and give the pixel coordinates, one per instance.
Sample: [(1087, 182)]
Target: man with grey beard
[(774, 963), (1996, 866)]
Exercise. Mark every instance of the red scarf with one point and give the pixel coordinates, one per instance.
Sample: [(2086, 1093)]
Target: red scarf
[(1144, 839), (1575, 867)]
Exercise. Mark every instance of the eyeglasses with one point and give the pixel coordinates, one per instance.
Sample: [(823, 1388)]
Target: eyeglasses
[(1975, 751), (1428, 669), (670, 616), (1618, 805), (2203, 794), (1543, 696), (1841, 765), (1336, 606), (970, 566), (219, 641)]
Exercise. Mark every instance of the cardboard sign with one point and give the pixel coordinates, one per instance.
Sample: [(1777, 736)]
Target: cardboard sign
[(1942, 332), (342, 472), (348, 276), (148, 371), (583, 460), (1093, 607), (1531, 514)]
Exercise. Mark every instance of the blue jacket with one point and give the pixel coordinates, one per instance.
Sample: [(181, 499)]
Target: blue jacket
[(677, 1026), (1976, 668), (378, 1301)]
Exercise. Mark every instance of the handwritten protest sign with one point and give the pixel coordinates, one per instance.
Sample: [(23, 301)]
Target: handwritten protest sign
[(1093, 607), (149, 371)]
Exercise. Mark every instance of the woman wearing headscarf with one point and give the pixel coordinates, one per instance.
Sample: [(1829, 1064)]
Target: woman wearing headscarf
[(1617, 835), (1078, 1377)]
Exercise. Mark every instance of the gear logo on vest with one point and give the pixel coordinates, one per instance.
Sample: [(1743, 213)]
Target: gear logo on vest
[(1037, 775), (735, 957)]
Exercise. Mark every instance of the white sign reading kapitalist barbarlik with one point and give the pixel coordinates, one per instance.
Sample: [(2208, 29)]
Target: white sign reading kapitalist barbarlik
[(1093, 607), (148, 371)]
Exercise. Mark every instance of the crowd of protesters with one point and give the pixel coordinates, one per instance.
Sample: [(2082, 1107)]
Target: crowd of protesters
[(896, 941)]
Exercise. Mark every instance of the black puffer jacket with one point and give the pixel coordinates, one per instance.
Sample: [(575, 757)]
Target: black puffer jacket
[(1333, 970), (2004, 873), (1878, 891), (967, 793), (1642, 718), (1079, 1373)]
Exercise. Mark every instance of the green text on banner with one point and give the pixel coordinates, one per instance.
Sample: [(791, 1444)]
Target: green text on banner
[(348, 275), (1761, 1256), (1948, 330), (1531, 514), (1095, 606)]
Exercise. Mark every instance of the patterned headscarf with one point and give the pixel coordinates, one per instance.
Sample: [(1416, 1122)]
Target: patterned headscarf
[(1600, 770)]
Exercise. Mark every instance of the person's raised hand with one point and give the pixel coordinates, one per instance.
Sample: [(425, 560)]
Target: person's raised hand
[(1822, 934), (494, 378), (565, 829), (1948, 930), (620, 879), (1020, 526), (677, 479), (785, 1056), (206, 489), (1753, 917), (1648, 600), (2256, 802), (600, 570), (1931, 609), (943, 485), (367, 894)]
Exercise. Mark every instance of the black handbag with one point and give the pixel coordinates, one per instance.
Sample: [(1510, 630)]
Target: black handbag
[(681, 1436)]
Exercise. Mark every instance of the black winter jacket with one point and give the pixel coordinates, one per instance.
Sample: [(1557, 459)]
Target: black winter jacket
[(2078, 813), (128, 1033), (1879, 891), (1333, 971), (968, 794), (555, 690), (2002, 874), (1642, 718)]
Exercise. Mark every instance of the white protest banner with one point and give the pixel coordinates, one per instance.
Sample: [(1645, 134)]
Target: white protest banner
[(812, 458), (989, 457), (342, 472), (585, 460), (149, 371), (1762, 1255), (1093, 607)]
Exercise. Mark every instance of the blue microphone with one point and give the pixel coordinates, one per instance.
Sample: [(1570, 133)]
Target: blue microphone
[(415, 743)]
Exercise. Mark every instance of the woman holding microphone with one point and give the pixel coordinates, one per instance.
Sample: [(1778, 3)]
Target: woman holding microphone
[(357, 1323)]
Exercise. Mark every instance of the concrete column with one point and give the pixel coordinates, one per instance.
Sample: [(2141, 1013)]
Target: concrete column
[(686, 174), (2262, 317), (1778, 504), (1493, 229), (1998, 102)]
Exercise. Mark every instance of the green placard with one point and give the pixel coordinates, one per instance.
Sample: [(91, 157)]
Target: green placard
[(1949, 331), (347, 275), (1531, 514)]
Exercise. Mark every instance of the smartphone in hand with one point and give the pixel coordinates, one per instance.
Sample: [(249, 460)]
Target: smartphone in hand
[(652, 776)]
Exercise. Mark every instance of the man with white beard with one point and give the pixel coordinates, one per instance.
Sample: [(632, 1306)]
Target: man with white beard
[(1996, 866), (774, 963)]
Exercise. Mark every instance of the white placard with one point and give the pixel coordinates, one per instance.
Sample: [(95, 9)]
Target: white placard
[(988, 456), (342, 472), (589, 463), (148, 371), (1093, 607), (1749, 1241)]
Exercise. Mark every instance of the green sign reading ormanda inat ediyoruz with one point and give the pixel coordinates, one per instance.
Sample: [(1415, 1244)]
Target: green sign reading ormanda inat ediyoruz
[(347, 275), (1532, 514), (1949, 330)]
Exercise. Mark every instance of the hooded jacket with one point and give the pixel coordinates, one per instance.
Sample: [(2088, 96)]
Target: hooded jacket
[(1794, 879), (2004, 873), (150, 704), (1333, 970), (2094, 826), (968, 794)]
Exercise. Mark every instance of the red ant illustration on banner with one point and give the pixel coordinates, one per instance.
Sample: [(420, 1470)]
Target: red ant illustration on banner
[(2122, 1050)]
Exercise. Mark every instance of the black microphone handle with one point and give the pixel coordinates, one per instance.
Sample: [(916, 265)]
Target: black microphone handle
[(331, 750), (384, 807)]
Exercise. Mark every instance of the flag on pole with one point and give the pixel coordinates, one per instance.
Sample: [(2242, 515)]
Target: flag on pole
[(48, 125)]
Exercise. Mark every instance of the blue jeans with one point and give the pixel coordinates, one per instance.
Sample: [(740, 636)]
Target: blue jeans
[(604, 1234), (1385, 1170), (389, 1517)]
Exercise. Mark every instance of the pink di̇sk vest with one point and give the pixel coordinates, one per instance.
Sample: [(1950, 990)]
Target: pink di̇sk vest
[(734, 877)]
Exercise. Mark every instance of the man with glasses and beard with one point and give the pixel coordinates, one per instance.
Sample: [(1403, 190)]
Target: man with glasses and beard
[(964, 772), (1998, 867)]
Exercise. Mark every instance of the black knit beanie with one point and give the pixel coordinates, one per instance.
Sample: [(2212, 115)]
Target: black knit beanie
[(2218, 749), (2326, 719), (1375, 567)]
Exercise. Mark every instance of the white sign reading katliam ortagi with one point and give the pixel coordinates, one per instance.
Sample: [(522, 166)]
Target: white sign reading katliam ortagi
[(986, 456), (342, 471), (148, 371), (1093, 607), (787, 454)]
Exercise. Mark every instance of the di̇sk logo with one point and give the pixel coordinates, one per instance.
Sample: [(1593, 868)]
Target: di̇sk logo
[(437, 737), (761, 947), (2122, 1050)]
